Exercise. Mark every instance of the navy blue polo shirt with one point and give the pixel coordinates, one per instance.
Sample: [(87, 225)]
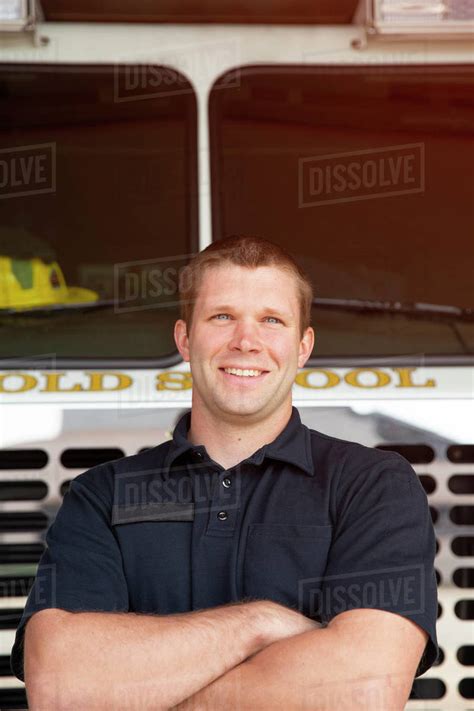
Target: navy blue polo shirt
[(316, 523)]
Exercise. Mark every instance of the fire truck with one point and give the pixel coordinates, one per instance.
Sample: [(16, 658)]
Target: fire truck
[(134, 134)]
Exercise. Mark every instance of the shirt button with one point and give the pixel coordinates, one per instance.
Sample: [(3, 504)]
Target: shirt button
[(226, 482), (222, 515), (198, 455)]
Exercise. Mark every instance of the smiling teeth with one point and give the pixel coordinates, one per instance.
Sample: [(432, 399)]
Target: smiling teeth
[(245, 373)]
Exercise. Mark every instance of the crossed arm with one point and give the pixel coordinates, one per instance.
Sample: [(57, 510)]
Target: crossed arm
[(364, 660), (256, 655)]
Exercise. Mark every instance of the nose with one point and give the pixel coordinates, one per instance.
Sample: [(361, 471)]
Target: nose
[(245, 337)]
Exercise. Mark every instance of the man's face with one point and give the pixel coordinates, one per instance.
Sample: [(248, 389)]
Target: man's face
[(244, 319)]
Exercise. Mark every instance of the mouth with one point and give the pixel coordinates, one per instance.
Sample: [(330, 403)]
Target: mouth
[(243, 375)]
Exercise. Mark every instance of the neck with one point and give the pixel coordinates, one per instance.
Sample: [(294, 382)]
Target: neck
[(228, 441)]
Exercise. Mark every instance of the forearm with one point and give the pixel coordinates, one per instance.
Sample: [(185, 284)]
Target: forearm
[(313, 671), (128, 661)]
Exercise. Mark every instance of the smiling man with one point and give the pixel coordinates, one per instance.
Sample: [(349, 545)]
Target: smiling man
[(249, 563), (245, 335)]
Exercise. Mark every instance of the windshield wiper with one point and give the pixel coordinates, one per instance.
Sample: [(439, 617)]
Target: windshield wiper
[(415, 309)]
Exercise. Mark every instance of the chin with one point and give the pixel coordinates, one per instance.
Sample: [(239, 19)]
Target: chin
[(241, 408)]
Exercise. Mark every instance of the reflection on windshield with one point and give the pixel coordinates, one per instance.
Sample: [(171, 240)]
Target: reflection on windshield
[(366, 174), (457, 337), (31, 278), (100, 181)]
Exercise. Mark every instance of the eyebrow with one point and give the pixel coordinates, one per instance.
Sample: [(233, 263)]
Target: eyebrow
[(265, 310)]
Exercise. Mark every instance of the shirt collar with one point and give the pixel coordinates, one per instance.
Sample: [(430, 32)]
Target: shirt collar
[(293, 444)]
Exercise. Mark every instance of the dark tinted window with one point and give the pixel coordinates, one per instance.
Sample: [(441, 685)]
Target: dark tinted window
[(366, 174), (241, 11), (98, 209)]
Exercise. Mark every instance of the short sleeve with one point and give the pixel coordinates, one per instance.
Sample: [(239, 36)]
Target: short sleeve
[(81, 568), (382, 554)]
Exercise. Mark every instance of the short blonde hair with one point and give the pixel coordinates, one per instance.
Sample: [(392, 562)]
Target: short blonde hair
[(244, 251)]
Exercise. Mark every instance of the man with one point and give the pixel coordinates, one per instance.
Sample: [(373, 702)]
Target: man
[(278, 568)]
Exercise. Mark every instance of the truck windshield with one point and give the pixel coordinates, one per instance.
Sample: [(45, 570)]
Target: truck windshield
[(366, 174), (99, 210), (187, 11)]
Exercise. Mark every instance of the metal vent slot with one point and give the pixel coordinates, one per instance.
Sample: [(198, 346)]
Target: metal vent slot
[(463, 545), (23, 521), (461, 453), (65, 487), (465, 655), (414, 453), (87, 457), (13, 699), (428, 483), (464, 609), (19, 553), (461, 484), (466, 688), (10, 617), (23, 490), (462, 515), (428, 689), (23, 459), (464, 577), (5, 665), (15, 586)]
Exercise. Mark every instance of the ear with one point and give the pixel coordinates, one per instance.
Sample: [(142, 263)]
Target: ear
[(306, 346), (181, 339)]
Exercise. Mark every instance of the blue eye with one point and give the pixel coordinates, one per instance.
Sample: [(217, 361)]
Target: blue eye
[(218, 316), (225, 317)]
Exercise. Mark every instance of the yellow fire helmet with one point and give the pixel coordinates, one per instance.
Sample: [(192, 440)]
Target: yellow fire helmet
[(31, 281)]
